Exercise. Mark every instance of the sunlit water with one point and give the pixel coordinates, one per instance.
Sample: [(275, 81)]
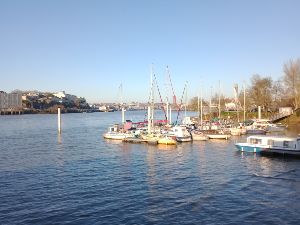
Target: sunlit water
[(80, 178)]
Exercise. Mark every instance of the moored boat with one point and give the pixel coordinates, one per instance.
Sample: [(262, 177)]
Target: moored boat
[(115, 133), (271, 144), (199, 136), (181, 134), (166, 141), (217, 134), (256, 131), (235, 131)]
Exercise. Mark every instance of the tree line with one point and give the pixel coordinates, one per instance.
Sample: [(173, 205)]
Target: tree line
[(265, 92)]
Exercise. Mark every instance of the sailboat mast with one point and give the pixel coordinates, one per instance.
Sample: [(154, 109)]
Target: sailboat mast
[(150, 106), (149, 119), (244, 102), (152, 98), (167, 97), (185, 102), (201, 112), (210, 103), (237, 103), (198, 107), (219, 100), (170, 117), (167, 113), (121, 103)]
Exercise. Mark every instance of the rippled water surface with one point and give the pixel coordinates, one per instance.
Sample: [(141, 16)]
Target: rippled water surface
[(80, 178)]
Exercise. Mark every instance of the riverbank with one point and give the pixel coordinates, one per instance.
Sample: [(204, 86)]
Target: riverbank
[(293, 123), (63, 110)]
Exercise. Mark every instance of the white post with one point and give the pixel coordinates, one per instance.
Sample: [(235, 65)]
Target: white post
[(259, 112), (59, 120), (123, 116), (244, 102)]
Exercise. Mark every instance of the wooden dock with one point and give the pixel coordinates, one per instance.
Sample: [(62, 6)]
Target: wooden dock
[(11, 111)]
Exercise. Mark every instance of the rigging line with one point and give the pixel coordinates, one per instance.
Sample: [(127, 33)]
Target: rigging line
[(185, 86), (171, 84), (149, 100), (160, 96)]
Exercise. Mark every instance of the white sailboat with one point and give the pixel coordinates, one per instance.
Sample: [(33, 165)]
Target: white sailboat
[(198, 135)]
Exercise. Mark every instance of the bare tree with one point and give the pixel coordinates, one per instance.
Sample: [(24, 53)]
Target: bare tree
[(260, 91), (193, 103), (291, 80), (277, 94)]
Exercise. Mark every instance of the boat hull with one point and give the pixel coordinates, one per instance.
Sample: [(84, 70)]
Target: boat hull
[(247, 148), (218, 136), (200, 138), (184, 139), (277, 151), (166, 141), (116, 136), (256, 131), (271, 145)]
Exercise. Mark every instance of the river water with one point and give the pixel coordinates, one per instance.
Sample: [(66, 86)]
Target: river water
[(80, 178)]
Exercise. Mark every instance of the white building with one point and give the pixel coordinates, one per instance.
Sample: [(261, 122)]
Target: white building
[(286, 110), (60, 94)]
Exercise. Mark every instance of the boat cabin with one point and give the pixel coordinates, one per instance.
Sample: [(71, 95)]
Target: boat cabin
[(114, 128), (275, 142)]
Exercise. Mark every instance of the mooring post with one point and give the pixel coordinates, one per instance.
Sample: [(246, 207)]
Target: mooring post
[(123, 115), (59, 120), (259, 112)]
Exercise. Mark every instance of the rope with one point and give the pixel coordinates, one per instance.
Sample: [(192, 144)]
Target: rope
[(179, 107), (161, 101)]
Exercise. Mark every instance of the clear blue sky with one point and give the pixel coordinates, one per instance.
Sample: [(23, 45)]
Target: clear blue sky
[(88, 48)]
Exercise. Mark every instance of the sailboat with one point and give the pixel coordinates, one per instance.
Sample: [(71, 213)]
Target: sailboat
[(216, 133), (119, 132), (198, 135)]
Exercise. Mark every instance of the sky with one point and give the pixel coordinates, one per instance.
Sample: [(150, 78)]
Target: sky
[(90, 47)]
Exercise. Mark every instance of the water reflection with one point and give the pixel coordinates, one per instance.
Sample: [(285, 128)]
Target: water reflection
[(166, 147), (111, 141), (59, 138)]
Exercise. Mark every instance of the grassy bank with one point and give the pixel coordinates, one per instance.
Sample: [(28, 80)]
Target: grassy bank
[(293, 122)]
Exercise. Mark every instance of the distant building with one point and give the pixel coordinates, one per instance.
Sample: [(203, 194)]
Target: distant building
[(231, 106), (103, 108), (10, 100), (60, 94), (286, 110)]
